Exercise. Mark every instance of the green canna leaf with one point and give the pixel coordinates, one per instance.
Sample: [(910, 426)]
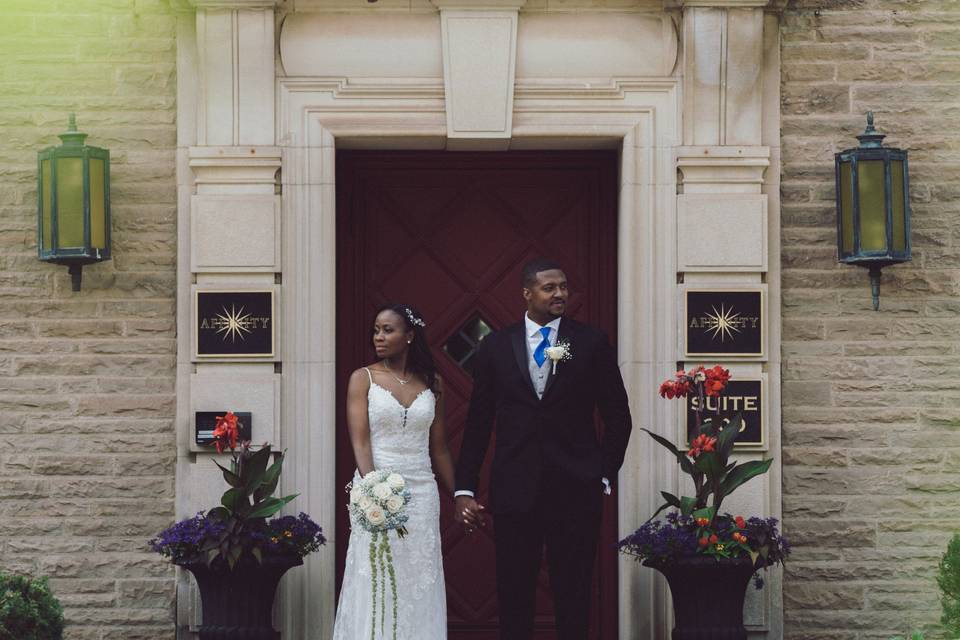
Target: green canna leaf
[(232, 479), (743, 472), (270, 506)]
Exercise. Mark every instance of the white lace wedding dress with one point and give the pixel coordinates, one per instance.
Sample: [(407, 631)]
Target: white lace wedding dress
[(400, 440)]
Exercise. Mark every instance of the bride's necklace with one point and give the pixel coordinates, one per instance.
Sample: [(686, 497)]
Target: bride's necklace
[(400, 380)]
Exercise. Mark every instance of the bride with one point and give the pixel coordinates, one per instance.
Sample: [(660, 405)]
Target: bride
[(395, 420)]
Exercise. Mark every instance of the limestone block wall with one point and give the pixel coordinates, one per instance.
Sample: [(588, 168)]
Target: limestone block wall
[(871, 424), (87, 448)]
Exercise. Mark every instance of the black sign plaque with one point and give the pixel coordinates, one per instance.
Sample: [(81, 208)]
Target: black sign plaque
[(727, 323), (206, 421), (234, 324), (744, 396)]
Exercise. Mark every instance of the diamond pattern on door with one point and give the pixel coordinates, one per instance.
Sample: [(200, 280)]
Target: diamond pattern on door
[(449, 233), (462, 346)]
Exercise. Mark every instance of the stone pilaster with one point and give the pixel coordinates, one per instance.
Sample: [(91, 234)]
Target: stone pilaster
[(723, 208), (235, 59), (230, 230)]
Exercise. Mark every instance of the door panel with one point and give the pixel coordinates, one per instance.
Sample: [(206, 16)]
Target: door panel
[(448, 233)]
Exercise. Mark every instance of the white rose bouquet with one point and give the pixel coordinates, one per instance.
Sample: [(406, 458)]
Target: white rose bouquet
[(378, 504)]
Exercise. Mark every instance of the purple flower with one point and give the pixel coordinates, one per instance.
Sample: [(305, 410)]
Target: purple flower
[(292, 534), (287, 535), (676, 537), (661, 541), (185, 538)]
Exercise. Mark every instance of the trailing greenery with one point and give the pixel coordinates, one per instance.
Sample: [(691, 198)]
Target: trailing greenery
[(916, 636), (948, 579), (28, 610)]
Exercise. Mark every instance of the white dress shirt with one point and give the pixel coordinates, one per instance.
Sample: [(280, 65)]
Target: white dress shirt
[(539, 373)]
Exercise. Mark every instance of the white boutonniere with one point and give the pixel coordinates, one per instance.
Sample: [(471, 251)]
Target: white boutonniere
[(558, 352)]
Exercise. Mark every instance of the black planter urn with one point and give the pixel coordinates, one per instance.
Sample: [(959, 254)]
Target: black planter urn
[(238, 604), (708, 595)]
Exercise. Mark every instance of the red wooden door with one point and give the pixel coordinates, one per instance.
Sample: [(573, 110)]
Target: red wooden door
[(448, 233)]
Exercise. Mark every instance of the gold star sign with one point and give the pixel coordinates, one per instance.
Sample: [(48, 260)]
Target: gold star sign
[(723, 323), (233, 324)]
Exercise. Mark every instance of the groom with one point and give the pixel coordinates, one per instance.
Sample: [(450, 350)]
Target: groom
[(550, 471)]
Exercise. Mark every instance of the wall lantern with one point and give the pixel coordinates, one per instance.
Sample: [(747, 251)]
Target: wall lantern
[(73, 209), (873, 206)]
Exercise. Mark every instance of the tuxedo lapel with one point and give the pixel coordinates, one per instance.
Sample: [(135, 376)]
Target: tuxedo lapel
[(518, 341), (565, 333)]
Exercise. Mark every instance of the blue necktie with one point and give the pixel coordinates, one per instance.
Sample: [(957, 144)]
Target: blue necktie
[(540, 355)]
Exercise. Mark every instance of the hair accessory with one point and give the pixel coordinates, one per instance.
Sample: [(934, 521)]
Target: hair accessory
[(414, 320)]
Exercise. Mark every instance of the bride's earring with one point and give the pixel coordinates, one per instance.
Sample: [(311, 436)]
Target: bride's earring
[(409, 341)]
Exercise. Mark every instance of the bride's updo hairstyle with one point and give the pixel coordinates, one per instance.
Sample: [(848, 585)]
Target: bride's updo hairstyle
[(419, 359)]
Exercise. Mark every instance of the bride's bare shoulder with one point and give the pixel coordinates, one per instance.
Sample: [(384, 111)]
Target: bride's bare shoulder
[(362, 377)]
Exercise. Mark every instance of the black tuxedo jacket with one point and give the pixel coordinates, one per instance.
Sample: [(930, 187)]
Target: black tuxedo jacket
[(546, 449)]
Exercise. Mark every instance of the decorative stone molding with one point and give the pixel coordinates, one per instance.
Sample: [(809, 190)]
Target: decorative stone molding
[(719, 169), (240, 166)]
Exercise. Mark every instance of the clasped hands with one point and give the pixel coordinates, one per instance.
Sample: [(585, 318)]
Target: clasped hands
[(469, 513)]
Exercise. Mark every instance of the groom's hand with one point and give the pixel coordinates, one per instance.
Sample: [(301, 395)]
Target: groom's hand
[(469, 513)]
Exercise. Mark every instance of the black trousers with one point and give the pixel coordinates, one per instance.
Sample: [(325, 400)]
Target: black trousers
[(570, 540)]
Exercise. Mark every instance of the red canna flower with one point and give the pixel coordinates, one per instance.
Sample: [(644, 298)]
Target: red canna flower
[(741, 523), (701, 444), (714, 539), (226, 432), (671, 389), (703, 541), (716, 380)]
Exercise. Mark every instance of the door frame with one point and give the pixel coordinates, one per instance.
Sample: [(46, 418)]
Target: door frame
[(640, 118)]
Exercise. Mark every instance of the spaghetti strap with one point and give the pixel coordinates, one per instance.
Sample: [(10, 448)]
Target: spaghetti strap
[(369, 375)]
